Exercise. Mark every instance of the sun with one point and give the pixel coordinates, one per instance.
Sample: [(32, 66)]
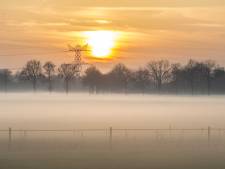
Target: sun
[(101, 42)]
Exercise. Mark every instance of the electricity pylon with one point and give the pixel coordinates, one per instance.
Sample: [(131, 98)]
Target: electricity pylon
[(77, 50)]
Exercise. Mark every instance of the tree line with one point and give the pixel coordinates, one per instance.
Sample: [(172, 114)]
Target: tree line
[(194, 77)]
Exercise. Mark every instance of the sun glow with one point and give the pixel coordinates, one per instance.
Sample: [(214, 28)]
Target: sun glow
[(101, 42)]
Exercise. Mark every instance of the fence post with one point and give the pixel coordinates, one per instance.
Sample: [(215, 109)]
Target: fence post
[(25, 133), (209, 133), (170, 130), (126, 134), (110, 137), (10, 138)]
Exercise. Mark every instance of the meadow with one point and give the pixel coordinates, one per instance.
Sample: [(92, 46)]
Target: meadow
[(128, 148)]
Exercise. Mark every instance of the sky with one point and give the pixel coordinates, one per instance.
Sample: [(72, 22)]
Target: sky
[(177, 30)]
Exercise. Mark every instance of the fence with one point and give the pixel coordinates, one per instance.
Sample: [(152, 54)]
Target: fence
[(111, 130)]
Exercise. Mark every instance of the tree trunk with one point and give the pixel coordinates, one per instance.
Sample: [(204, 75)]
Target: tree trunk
[(5, 85), (159, 86), (208, 85), (192, 86), (49, 85), (34, 85), (67, 86), (5, 82), (176, 86)]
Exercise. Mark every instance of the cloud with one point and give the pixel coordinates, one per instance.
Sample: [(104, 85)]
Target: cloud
[(149, 27), (136, 3)]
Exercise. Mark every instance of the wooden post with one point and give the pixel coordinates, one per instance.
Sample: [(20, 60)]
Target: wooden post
[(220, 133), (170, 130), (10, 138), (156, 135), (25, 133), (74, 144), (209, 134), (126, 133), (110, 137)]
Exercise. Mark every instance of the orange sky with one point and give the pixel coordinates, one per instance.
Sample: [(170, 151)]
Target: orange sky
[(149, 29)]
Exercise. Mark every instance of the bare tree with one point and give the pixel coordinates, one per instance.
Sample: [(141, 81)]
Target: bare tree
[(209, 67), (120, 76), (176, 73), (68, 72), (92, 79), (190, 73), (159, 72), (32, 71), (49, 68), (5, 76), (219, 79), (141, 79)]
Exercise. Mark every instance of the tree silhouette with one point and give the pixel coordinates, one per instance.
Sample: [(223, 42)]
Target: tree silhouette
[(49, 68), (190, 74), (159, 72), (208, 69), (176, 75), (119, 76), (5, 75), (195, 77), (219, 79), (67, 72), (32, 71), (92, 78), (141, 79)]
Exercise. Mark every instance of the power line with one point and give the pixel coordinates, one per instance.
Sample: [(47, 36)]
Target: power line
[(41, 53), (76, 50)]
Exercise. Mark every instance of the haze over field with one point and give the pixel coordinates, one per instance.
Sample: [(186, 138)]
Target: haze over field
[(127, 148), (112, 84), (61, 111)]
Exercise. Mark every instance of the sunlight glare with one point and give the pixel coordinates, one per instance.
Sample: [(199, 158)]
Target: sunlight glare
[(101, 42)]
